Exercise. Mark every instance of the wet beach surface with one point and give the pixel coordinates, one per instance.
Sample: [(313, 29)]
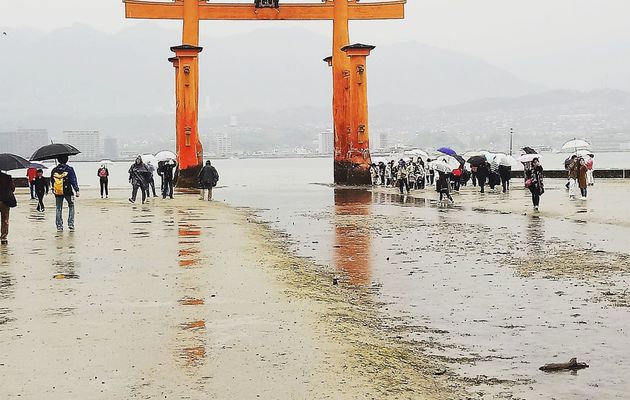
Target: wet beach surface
[(486, 285), (475, 296)]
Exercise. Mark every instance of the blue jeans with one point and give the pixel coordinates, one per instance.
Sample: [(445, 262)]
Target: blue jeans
[(59, 208)]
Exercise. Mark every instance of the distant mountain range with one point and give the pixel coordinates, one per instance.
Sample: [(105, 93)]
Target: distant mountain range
[(78, 72)]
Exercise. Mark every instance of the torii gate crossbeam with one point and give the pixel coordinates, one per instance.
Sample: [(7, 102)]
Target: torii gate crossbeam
[(351, 153)]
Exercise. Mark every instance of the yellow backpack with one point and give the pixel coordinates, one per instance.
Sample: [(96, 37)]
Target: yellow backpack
[(60, 183)]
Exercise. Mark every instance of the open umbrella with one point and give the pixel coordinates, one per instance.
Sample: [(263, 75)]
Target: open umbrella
[(106, 162), (446, 150), (585, 153), (529, 150), (470, 154), (165, 155), (54, 150), (477, 160), (576, 144), (505, 160), (459, 158), (416, 153), (9, 162), (37, 165), (149, 159), (445, 164), (525, 158)]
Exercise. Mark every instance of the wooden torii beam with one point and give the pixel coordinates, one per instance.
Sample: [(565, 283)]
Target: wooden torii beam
[(350, 167)]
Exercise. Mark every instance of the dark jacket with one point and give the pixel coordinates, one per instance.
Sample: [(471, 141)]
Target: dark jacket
[(208, 177), (41, 186), (537, 177), (72, 177), (104, 178), (165, 170), (138, 174), (7, 186)]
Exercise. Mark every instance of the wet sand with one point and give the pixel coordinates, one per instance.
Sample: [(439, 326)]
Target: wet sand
[(189, 300)]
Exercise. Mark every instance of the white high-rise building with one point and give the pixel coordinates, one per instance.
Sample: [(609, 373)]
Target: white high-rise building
[(223, 145), (22, 141), (89, 143), (326, 142)]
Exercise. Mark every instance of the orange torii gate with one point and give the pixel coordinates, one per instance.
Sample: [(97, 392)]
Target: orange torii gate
[(352, 156)]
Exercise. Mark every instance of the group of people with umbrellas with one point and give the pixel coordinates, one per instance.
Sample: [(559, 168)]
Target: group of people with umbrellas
[(63, 182)]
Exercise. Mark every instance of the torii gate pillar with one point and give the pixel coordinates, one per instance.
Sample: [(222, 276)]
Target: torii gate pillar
[(189, 148), (358, 134)]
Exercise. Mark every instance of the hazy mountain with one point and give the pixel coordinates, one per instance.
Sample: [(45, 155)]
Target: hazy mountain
[(78, 77)]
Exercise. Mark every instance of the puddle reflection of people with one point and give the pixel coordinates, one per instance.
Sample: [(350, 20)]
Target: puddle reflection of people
[(352, 235), (535, 234)]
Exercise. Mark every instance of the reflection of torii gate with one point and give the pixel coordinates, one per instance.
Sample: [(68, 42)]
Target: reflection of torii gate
[(352, 155)]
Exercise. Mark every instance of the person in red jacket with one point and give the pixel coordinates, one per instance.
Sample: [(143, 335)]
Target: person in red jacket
[(31, 174)]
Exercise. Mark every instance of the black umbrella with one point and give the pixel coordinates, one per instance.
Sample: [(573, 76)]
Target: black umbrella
[(529, 150), (477, 160), (37, 165), (9, 162), (459, 158), (54, 150)]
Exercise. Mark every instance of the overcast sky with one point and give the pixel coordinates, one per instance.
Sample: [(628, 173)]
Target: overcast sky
[(507, 33)]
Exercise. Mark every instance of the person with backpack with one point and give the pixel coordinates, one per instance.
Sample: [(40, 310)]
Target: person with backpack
[(7, 201), (65, 187), (138, 178), (208, 179), (103, 175), (41, 189)]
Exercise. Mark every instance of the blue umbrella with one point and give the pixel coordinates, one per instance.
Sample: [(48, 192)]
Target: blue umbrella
[(447, 151)]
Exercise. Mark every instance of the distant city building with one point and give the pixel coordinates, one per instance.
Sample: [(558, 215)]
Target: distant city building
[(222, 145), (110, 148), (378, 141), (23, 142), (325, 142), (88, 142), (233, 121)]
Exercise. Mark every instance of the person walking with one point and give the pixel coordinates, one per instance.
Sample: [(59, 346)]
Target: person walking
[(589, 174), (483, 172), (42, 188), (374, 174), (165, 170), (65, 186), (103, 175), (573, 170), (137, 177), (7, 201), (208, 179), (582, 177), (31, 173), (149, 179), (401, 177), (534, 182), (443, 186), (505, 173)]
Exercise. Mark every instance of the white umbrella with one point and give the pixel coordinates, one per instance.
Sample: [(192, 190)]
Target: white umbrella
[(165, 155), (445, 164), (469, 154), (525, 158), (505, 160), (149, 159), (585, 153), (106, 162), (417, 153), (576, 144)]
